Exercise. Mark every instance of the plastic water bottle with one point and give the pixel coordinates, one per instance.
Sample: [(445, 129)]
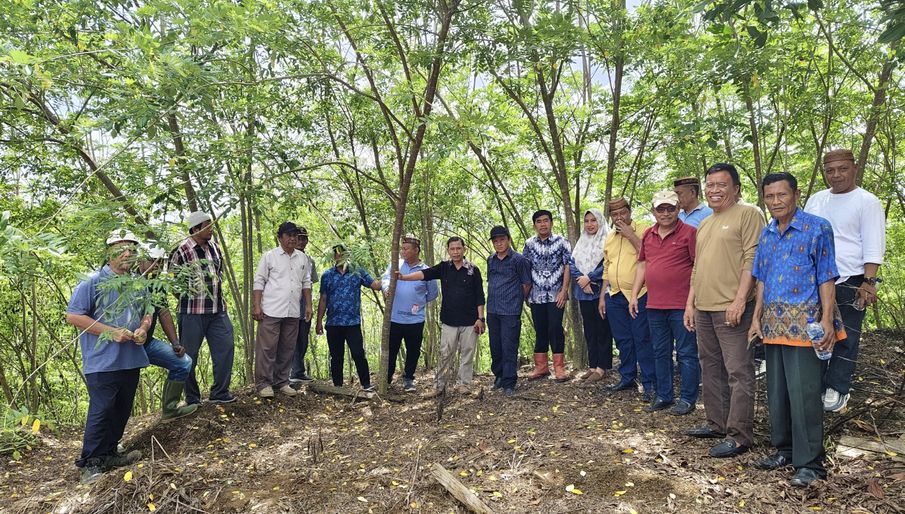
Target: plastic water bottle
[(815, 333)]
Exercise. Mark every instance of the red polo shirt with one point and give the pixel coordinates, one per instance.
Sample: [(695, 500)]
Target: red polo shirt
[(669, 262)]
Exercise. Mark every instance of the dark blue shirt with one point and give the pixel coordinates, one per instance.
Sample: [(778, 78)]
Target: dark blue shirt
[(505, 278), (343, 292)]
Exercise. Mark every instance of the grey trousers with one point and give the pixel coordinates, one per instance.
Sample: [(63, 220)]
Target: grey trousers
[(274, 351), (456, 340)]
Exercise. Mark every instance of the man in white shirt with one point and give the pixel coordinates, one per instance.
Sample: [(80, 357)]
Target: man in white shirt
[(859, 230), (282, 279)]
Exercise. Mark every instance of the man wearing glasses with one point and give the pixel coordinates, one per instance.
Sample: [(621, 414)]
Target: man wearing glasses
[(664, 265)]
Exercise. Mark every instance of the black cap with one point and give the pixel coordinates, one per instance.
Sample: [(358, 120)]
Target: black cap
[(499, 230), (287, 227)]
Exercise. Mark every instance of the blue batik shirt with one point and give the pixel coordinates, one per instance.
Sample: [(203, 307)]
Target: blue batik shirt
[(343, 291), (792, 265), (115, 310), (505, 278), (549, 258)]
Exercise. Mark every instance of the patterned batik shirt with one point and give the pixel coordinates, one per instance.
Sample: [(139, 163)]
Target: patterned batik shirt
[(792, 265), (205, 287), (548, 258), (343, 292)]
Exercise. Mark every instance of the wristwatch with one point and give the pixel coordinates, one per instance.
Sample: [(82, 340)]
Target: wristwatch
[(482, 320), (873, 280)]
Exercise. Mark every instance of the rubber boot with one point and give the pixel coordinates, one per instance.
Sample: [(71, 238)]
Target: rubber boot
[(172, 393), (559, 367), (541, 367)]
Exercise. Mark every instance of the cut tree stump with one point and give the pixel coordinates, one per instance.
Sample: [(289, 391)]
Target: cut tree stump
[(851, 447), (458, 490)]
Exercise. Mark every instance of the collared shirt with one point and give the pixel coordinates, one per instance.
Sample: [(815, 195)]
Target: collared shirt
[(596, 278), (206, 278), (696, 215), (343, 292), (505, 280), (463, 292), (412, 297), (620, 260), (669, 261), (282, 277), (549, 258), (110, 307), (792, 265), (314, 278), (859, 227)]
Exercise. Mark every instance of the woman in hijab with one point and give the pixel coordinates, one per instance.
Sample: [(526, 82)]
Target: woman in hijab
[(587, 276)]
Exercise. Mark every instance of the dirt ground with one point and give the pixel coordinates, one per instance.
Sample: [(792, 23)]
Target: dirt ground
[(550, 448)]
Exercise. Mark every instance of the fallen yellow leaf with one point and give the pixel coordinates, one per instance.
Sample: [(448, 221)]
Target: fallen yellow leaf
[(152, 507), (127, 476), (619, 493), (362, 499), (36, 426), (252, 445), (628, 450)]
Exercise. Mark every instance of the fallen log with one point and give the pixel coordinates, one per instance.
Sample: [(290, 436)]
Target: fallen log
[(851, 447), (320, 387), (458, 490)]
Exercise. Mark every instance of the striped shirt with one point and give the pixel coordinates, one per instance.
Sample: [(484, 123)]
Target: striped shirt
[(205, 279), (505, 278)]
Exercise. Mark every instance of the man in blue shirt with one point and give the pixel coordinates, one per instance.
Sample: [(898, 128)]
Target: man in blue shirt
[(407, 320), (508, 285), (111, 365), (549, 255), (795, 268), (688, 189), (340, 300)]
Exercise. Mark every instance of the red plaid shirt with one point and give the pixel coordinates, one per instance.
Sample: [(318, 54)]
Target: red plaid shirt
[(205, 286)]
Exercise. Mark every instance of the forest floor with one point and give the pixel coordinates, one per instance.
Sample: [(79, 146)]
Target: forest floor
[(550, 448)]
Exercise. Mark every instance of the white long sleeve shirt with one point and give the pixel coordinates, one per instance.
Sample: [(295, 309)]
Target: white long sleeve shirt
[(282, 277)]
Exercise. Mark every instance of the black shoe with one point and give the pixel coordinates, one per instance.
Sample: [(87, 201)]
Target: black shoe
[(805, 477), (705, 433), (497, 384), (658, 404), (223, 399), (682, 408), (728, 448), (774, 461), (622, 386), (648, 397), (368, 389), (118, 460), (92, 471), (508, 391)]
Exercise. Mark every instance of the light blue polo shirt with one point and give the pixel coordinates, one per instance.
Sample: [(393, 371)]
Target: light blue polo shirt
[(412, 297)]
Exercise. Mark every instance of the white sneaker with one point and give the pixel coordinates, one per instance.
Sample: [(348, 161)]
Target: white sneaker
[(288, 390), (267, 392), (838, 405), (830, 399)]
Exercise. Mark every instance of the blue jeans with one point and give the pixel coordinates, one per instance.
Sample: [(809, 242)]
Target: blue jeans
[(505, 332), (666, 326), (632, 337), (162, 355)]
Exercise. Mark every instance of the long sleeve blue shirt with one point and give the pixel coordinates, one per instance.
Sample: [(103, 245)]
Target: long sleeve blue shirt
[(596, 277), (411, 298)]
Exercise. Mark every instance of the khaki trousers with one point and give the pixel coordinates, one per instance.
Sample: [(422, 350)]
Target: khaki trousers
[(456, 340)]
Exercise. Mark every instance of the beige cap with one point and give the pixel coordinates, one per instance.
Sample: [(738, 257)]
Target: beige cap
[(665, 197)]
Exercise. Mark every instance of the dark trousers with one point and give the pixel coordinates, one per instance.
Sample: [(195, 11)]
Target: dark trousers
[(666, 326), (548, 330), (632, 339), (413, 334), (301, 348), (845, 352), (504, 331), (110, 397), (337, 338), (597, 335), (727, 369), (274, 349), (217, 328), (796, 411)]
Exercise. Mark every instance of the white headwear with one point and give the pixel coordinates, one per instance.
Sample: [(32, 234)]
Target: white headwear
[(588, 250)]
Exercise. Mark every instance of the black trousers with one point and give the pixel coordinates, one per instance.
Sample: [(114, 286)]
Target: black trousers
[(794, 386), (413, 334), (110, 398), (597, 335), (337, 338), (548, 328), (845, 352), (301, 348)]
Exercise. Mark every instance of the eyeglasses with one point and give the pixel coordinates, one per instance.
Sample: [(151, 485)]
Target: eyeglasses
[(665, 208)]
